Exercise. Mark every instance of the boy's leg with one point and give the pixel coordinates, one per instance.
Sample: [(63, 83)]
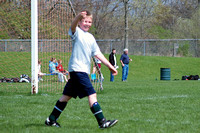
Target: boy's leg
[(58, 108), (98, 113)]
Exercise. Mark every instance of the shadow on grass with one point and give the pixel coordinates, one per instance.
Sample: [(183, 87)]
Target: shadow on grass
[(35, 125)]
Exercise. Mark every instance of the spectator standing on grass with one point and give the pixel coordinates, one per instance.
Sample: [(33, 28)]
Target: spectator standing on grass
[(125, 64), (98, 63), (113, 61), (84, 47), (95, 69)]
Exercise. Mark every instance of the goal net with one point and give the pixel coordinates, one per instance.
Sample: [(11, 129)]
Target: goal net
[(54, 20), (55, 17), (54, 45)]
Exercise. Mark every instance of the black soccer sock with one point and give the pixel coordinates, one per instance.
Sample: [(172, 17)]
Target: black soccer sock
[(96, 110), (59, 107)]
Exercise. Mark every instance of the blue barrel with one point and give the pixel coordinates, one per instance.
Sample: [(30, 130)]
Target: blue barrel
[(165, 74)]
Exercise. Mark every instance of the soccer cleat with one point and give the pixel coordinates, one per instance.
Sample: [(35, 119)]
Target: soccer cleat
[(107, 123), (51, 123)]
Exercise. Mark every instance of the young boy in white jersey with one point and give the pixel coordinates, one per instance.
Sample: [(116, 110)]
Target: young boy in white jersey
[(84, 47)]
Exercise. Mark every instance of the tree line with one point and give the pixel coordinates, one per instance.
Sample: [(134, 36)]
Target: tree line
[(147, 19)]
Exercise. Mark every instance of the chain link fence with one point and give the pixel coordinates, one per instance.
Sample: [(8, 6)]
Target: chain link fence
[(154, 47), (15, 56), (147, 47)]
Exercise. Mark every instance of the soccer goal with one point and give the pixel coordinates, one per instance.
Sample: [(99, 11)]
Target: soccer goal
[(50, 22)]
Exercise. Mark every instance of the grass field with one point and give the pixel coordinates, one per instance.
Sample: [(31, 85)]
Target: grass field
[(144, 104)]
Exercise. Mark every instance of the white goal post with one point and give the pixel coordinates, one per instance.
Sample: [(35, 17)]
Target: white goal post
[(34, 46), (50, 22)]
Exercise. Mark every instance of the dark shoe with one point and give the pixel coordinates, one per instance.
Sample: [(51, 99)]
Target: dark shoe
[(107, 123), (51, 123)]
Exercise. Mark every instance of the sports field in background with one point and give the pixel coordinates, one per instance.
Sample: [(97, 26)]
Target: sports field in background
[(144, 104)]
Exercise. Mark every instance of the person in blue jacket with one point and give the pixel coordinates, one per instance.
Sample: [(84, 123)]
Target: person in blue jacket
[(125, 64)]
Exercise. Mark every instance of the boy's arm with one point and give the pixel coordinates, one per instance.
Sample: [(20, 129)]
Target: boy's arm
[(102, 58), (76, 20)]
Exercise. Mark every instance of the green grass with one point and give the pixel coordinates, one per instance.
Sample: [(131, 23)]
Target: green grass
[(142, 105)]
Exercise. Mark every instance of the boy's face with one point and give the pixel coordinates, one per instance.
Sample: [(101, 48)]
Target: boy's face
[(85, 23)]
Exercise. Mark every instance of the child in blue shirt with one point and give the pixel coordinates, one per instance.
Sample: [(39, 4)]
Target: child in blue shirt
[(52, 66)]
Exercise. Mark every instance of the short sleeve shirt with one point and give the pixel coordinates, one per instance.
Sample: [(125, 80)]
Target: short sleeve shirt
[(84, 47), (125, 59), (52, 66), (60, 68)]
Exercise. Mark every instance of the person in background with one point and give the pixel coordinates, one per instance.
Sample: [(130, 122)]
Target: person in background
[(93, 75), (40, 74), (52, 69), (52, 66), (98, 63), (125, 64), (113, 61), (62, 70)]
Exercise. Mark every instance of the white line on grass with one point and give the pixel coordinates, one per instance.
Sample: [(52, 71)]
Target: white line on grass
[(73, 117), (163, 97), (168, 122)]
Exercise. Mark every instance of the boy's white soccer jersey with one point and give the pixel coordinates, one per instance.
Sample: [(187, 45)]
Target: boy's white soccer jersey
[(84, 47)]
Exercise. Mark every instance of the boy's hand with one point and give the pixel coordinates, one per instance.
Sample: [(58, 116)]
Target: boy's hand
[(102, 58), (80, 16), (114, 71), (83, 14)]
